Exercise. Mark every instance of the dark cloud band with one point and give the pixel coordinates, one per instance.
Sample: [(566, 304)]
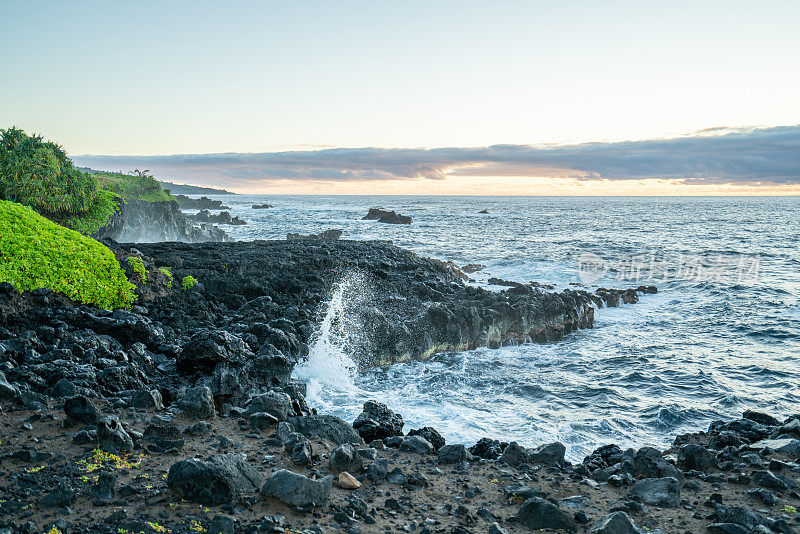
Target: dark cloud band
[(713, 156)]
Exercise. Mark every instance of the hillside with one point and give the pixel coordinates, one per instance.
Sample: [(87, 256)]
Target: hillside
[(139, 186), (183, 189)]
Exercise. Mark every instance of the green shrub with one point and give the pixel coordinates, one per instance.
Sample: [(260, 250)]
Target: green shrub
[(138, 267), (106, 205), (39, 174), (37, 253), (188, 282), (168, 274), (140, 187)]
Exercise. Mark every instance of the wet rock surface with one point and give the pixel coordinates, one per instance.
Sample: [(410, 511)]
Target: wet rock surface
[(222, 217), (145, 222), (202, 203)]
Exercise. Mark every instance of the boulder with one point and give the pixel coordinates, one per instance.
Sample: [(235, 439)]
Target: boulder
[(416, 444), (79, 408), (219, 480), (788, 446), (261, 420), (738, 515), (301, 452), (514, 455), (377, 421), (648, 463), (378, 470), (348, 481), (616, 523), (276, 403), (221, 524), (163, 436), (396, 476), (695, 457), (325, 427), (147, 399), (767, 479), (268, 368), (760, 417), (431, 435), (112, 437), (663, 492), (549, 454), (297, 490), (197, 403), (489, 449), (62, 495), (103, 490), (207, 348), (7, 390), (453, 454), (537, 514), (62, 388), (345, 457)]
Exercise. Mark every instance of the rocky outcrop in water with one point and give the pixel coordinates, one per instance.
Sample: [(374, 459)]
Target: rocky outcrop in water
[(401, 305), (220, 218), (384, 216), (143, 222), (202, 203)]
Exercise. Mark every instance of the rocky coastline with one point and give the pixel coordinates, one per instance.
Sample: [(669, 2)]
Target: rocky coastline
[(181, 415), (138, 221)]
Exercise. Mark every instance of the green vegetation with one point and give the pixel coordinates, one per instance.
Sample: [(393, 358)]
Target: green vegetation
[(37, 253), (106, 205), (166, 272), (140, 186), (137, 265), (188, 282), (39, 174)]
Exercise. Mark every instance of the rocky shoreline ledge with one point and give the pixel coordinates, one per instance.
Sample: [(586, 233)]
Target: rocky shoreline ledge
[(181, 415)]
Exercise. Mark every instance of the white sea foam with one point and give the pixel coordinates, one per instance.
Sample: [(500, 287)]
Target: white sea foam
[(330, 368)]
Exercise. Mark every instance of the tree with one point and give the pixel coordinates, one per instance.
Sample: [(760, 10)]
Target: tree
[(39, 174)]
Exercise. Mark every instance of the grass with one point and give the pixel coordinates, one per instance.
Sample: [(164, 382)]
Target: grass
[(37, 253), (142, 187)]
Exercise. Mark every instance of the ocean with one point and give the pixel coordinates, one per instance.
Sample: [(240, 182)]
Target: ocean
[(722, 334)]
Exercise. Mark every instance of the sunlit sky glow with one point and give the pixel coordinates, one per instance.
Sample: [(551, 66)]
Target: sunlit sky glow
[(198, 78)]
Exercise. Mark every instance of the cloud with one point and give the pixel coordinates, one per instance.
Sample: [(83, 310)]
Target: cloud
[(719, 155)]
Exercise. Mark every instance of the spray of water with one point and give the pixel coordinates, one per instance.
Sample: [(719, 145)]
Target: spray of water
[(337, 344)]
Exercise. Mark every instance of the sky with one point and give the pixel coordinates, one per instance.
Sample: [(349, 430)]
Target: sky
[(416, 97)]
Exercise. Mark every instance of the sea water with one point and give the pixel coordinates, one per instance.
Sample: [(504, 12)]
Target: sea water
[(721, 335)]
